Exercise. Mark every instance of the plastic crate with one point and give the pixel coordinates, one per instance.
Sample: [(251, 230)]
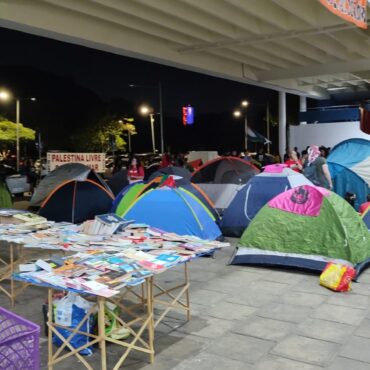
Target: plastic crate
[(19, 342)]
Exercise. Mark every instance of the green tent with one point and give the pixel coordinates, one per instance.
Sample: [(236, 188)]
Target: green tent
[(128, 198), (305, 227)]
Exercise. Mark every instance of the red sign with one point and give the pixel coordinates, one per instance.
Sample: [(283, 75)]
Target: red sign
[(353, 11)]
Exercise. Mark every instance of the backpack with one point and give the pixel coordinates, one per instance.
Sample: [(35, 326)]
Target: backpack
[(310, 173)]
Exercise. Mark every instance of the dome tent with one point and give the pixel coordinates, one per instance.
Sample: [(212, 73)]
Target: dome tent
[(349, 166), (174, 210), (171, 170), (76, 201), (305, 227), (69, 171), (131, 193), (220, 179), (261, 188), (127, 196)]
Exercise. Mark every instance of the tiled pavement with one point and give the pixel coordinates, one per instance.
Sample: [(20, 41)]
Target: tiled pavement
[(248, 318)]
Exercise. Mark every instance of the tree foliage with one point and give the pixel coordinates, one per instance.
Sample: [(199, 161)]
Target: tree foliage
[(8, 131), (106, 133)]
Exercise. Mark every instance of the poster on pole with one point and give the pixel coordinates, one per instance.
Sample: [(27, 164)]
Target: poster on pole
[(353, 11), (96, 161)]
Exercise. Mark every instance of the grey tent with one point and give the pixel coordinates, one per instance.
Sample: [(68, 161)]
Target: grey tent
[(118, 181), (222, 178), (171, 171), (69, 171)]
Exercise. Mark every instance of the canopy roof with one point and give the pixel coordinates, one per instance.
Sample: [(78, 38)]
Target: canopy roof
[(294, 46)]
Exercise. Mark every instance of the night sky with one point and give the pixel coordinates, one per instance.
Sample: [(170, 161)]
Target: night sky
[(75, 85)]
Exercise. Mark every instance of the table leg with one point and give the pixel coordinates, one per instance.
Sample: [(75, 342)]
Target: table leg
[(50, 333), (150, 313), (187, 291), (101, 332), (11, 270)]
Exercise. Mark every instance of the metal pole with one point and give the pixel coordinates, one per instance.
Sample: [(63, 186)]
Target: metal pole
[(161, 115), (40, 152), (40, 149), (282, 124), (302, 107), (129, 142), (17, 109), (268, 126), (245, 131), (152, 129)]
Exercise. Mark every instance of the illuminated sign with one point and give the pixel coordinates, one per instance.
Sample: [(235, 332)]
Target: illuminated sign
[(187, 115)]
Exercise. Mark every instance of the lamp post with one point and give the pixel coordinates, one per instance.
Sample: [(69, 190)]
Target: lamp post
[(145, 110), (160, 113), (237, 114)]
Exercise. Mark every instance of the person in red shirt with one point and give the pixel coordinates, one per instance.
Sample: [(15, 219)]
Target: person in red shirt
[(135, 170), (293, 162), (365, 206)]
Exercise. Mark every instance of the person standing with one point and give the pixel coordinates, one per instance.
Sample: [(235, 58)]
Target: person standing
[(135, 170), (293, 162), (316, 169)]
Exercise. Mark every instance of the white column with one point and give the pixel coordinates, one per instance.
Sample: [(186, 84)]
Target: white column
[(282, 123), (302, 106)]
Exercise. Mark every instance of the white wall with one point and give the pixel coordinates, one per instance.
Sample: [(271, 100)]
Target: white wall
[(327, 134)]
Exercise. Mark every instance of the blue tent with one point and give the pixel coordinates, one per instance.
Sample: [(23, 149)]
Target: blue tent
[(366, 218), (349, 165), (255, 194), (122, 193), (174, 210)]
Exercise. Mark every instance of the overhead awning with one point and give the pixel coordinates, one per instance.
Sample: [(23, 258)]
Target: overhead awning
[(294, 46)]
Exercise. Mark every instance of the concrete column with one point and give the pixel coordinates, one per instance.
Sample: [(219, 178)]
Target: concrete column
[(302, 106), (282, 123)]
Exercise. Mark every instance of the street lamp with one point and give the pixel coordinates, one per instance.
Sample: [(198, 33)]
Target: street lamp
[(145, 110), (237, 114), (5, 96), (159, 87)]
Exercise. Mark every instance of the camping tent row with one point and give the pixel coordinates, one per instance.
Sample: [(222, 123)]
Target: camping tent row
[(74, 193)]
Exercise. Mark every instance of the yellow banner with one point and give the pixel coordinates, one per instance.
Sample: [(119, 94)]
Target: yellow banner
[(353, 11)]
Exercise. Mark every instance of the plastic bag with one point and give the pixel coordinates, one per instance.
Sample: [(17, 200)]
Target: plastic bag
[(113, 327), (69, 312), (337, 277)]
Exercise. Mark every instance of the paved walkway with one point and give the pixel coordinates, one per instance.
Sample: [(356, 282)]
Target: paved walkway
[(246, 318)]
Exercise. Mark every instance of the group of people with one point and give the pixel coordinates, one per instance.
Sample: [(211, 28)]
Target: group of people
[(136, 169), (312, 163)]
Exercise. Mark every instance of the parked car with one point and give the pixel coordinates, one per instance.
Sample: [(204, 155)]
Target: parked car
[(16, 183)]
